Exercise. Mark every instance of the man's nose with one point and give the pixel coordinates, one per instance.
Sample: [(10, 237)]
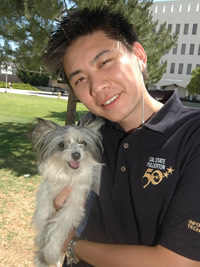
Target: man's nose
[(97, 84)]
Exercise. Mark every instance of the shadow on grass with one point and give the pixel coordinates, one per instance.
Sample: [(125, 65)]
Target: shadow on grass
[(16, 153), (61, 116)]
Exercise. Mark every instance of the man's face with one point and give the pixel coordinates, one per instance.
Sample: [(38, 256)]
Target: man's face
[(105, 77)]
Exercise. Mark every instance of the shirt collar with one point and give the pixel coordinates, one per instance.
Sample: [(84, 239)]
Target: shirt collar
[(167, 115)]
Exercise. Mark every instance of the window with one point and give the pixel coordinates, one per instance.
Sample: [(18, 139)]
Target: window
[(197, 65), (199, 50), (174, 51), (156, 9), (178, 28), (183, 47), (180, 68), (172, 68), (186, 28), (194, 29), (163, 9), (172, 8), (189, 69), (197, 9), (188, 9), (170, 27), (191, 52), (180, 8)]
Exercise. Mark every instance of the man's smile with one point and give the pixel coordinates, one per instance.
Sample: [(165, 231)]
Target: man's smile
[(110, 100)]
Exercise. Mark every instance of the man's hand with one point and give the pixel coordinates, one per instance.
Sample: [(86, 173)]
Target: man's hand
[(61, 197)]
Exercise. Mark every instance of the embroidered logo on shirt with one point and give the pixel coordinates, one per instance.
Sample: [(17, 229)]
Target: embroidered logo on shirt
[(157, 171), (195, 226)]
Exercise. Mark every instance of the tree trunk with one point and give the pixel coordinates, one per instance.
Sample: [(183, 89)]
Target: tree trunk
[(71, 108)]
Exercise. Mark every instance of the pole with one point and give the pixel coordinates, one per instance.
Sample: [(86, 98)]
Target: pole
[(6, 80)]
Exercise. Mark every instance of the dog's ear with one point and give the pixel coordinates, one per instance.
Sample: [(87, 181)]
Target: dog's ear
[(46, 124), (93, 125), (41, 128)]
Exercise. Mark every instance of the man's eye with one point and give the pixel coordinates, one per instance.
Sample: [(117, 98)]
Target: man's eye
[(105, 62), (79, 80)]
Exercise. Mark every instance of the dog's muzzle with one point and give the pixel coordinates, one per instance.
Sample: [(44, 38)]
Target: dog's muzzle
[(74, 164)]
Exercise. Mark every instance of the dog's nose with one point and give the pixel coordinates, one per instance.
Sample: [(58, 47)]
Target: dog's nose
[(76, 155)]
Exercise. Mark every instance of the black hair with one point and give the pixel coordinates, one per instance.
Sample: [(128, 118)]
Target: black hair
[(80, 22)]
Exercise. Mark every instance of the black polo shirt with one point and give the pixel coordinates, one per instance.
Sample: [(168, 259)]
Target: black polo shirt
[(150, 185)]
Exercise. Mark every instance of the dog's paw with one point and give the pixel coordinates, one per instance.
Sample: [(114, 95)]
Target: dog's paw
[(52, 254)]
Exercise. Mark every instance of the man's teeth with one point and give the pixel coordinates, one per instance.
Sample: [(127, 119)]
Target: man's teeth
[(110, 100)]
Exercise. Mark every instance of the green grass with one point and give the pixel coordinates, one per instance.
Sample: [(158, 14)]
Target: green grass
[(17, 112)]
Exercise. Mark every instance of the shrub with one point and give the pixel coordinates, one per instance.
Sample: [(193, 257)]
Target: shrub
[(33, 78), (21, 86)]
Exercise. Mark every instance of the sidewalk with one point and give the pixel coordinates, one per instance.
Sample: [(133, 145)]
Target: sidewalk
[(36, 93)]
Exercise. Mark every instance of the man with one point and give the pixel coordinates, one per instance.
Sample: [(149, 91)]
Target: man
[(148, 211)]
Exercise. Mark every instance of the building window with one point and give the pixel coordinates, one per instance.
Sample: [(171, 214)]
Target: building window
[(197, 9), (172, 68), (188, 9), (194, 29), (197, 65), (186, 28), (163, 9), (189, 69), (191, 52), (199, 50), (156, 9), (174, 51), (180, 8), (170, 27), (178, 28), (183, 48), (172, 8), (180, 68)]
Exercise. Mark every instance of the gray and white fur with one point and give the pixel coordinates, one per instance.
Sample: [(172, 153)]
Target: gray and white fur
[(66, 156)]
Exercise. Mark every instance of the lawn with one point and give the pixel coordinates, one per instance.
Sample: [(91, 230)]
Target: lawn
[(17, 192)]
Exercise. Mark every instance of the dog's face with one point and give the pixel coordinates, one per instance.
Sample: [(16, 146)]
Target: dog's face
[(66, 148)]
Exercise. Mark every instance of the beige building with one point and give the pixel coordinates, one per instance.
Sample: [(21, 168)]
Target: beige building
[(182, 17)]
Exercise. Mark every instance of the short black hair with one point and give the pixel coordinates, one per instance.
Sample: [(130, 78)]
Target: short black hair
[(80, 22)]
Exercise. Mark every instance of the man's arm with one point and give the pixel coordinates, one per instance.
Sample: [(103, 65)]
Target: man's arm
[(104, 255)]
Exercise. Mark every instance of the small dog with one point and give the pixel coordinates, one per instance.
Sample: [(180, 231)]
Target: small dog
[(66, 156)]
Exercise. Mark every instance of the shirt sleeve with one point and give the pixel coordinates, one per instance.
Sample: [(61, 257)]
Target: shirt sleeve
[(181, 228)]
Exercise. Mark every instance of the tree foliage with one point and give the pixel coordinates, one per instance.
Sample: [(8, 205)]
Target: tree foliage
[(33, 78), (25, 27), (194, 84)]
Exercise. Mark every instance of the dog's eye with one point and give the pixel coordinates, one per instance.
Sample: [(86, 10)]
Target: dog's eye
[(82, 143), (61, 145)]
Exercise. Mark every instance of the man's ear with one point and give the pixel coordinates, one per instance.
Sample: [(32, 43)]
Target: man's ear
[(140, 54)]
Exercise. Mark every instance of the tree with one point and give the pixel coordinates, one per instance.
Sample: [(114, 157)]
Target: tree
[(25, 27), (194, 84), (34, 78)]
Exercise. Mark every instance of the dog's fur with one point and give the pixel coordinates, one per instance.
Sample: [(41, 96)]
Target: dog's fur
[(67, 156)]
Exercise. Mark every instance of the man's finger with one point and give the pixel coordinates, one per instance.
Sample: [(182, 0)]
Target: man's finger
[(61, 197)]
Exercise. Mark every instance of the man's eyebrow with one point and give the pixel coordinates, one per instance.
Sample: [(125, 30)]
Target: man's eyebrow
[(92, 61), (74, 73), (99, 55)]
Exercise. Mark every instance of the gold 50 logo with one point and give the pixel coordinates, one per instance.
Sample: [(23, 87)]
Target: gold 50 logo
[(156, 176)]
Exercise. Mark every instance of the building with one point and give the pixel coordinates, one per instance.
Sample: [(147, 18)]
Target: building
[(182, 17), (8, 73)]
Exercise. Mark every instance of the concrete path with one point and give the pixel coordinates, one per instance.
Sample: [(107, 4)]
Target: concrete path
[(37, 93)]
